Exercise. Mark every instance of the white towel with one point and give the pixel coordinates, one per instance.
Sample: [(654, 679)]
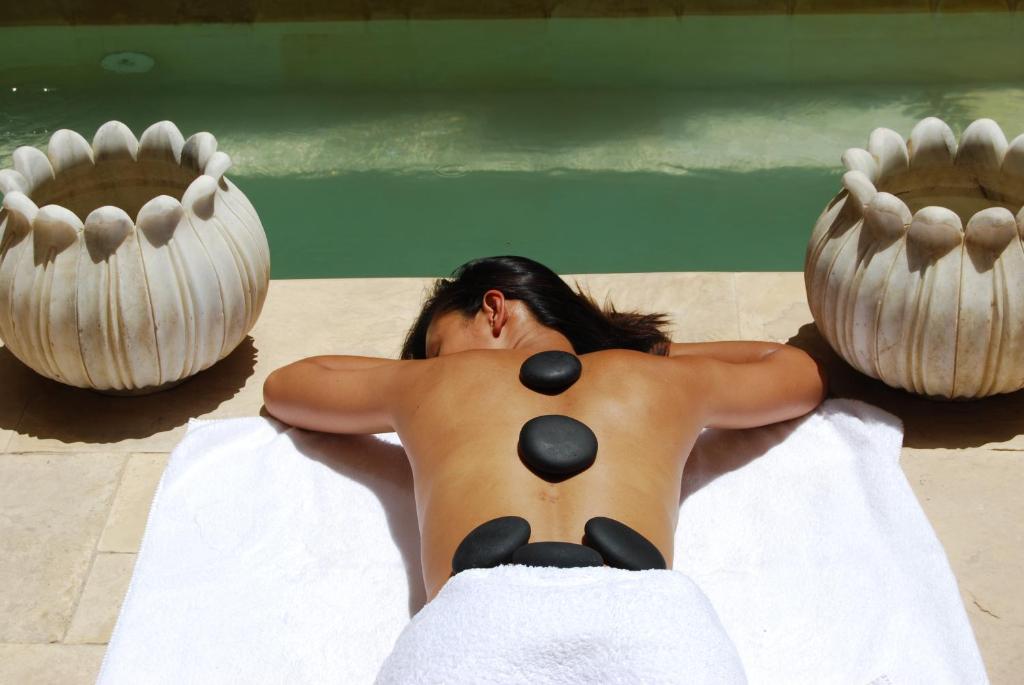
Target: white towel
[(276, 555), (819, 560), (553, 626)]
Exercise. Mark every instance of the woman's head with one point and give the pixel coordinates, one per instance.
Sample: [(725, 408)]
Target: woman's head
[(529, 293)]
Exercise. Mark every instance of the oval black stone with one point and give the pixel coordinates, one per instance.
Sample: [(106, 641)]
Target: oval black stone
[(560, 554), (491, 543), (557, 445), (550, 372), (621, 546)]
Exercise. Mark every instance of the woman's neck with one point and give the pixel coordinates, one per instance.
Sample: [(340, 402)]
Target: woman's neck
[(540, 338)]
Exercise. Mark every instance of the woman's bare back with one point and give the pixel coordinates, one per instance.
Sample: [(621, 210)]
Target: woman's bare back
[(459, 417), (460, 427)]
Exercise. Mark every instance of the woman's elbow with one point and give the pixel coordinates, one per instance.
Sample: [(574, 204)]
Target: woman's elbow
[(816, 378), (272, 393), (805, 377)]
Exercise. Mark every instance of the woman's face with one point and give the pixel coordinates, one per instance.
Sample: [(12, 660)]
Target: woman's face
[(493, 327), (452, 332)]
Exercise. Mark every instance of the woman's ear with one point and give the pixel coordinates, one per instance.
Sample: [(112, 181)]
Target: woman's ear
[(495, 308)]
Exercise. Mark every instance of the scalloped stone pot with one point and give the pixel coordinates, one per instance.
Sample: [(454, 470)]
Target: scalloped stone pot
[(130, 264), (896, 283)]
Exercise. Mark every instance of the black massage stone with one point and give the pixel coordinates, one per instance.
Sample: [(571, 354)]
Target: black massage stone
[(491, 543), (557, 445), (621, 546), (560, 554), (550, 372)]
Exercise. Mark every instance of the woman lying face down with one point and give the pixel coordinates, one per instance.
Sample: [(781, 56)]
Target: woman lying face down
[(569, 458)]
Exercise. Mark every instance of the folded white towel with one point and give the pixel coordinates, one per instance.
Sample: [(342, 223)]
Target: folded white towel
[(276, 555), (551, 626), (820, 562)]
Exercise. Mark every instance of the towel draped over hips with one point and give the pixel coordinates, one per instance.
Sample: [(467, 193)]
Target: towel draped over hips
[(522, 624)]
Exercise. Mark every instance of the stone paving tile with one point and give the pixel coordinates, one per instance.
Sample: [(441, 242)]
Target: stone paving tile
[(19, 385), (993, 422), (973, 499), (128, 514), (60, 418), (772, 305), (52, 510), (50, 664), (702, 305), (360, 316), (101, 600)]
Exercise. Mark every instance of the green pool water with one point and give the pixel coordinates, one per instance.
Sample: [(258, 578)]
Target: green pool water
[(405, 148)]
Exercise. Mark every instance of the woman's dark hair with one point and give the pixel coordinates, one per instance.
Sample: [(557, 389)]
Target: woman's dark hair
[(549, 299)]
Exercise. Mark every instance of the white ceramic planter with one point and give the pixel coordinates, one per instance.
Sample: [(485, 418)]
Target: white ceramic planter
[(129, 264), (915, 270)]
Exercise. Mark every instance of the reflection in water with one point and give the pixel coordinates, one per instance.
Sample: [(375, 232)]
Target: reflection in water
[(413, 183), (315, 132)]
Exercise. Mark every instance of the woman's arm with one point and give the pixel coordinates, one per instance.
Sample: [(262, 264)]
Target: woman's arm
[(735, 351), (344, 362), (338, 393), (754, 383)]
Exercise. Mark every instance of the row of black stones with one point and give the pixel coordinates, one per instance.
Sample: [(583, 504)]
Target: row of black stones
[(503, 540), (555, 447)]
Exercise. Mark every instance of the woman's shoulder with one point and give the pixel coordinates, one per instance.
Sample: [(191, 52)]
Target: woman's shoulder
[(622, 356)]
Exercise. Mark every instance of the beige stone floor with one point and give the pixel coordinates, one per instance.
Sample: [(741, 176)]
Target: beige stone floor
[(78, 470)]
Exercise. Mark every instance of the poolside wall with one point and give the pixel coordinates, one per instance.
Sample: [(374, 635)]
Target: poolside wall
[(686, 52), (191, 11)]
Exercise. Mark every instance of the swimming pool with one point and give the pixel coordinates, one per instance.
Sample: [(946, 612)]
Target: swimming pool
[(403, 148)]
